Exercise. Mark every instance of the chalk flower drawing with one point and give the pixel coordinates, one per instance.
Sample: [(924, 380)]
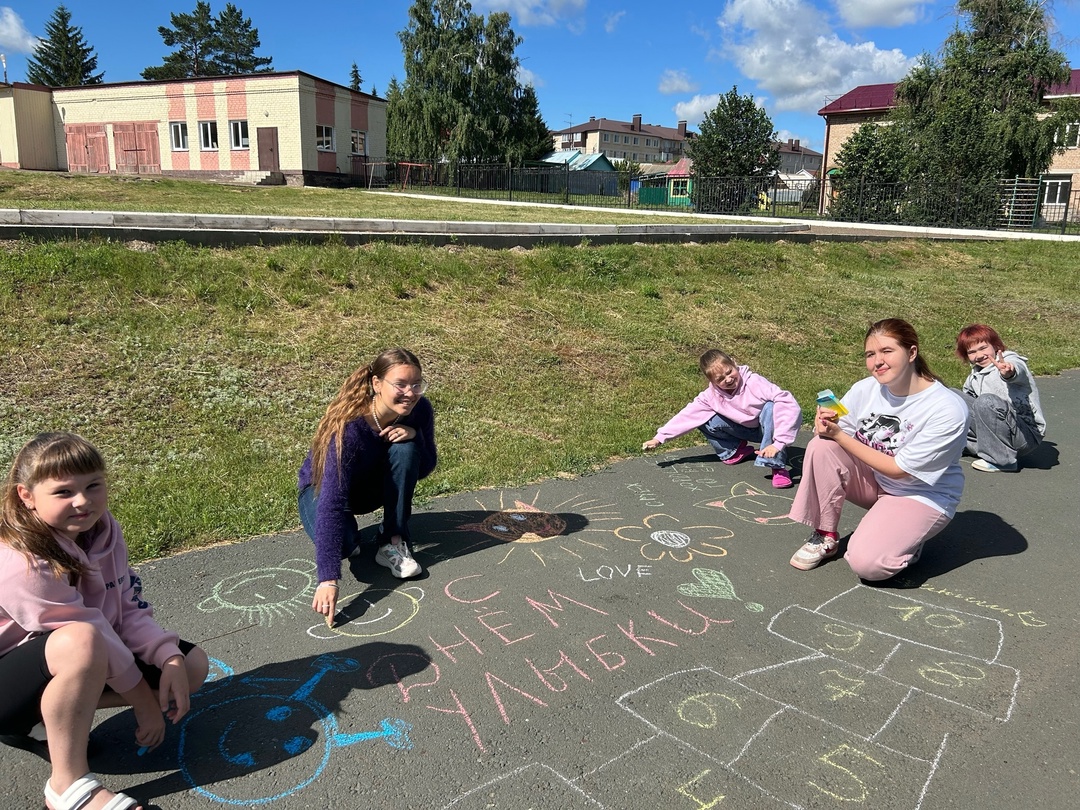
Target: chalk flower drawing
[(525, 525), (658, 537)]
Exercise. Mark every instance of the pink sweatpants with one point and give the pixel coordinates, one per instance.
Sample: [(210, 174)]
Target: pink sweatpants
[(893, 529)]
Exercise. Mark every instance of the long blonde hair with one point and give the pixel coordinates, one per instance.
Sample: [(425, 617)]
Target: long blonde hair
[(352, 402), (47, 455)]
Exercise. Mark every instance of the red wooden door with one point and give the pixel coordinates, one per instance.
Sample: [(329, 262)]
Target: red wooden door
[(87, 148)]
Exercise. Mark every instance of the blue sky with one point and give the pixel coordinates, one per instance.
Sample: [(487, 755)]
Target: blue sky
[(603, 58)]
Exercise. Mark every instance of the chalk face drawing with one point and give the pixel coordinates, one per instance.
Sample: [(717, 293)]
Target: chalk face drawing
[(264, 594), (544, 532), (712, 584), (371, 613), (659, 536), (232, 743), (753, 505)]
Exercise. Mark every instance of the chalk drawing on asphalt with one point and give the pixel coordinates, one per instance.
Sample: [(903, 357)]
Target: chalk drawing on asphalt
[(659, 536), (712, 584), (861, 717), (264, 594), (753, 505), (371, 613), (542, 530), (232, 743)]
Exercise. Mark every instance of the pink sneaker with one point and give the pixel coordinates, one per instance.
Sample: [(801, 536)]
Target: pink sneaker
[(781, 479), (742, 453)]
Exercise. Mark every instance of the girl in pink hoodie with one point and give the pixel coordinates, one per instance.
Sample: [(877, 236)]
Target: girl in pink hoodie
[(739, 407), (76, 633)]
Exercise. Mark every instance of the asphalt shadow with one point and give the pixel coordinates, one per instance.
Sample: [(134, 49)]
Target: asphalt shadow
[(242, 726)]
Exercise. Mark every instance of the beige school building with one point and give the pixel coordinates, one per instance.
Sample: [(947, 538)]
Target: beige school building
[(290, 128)]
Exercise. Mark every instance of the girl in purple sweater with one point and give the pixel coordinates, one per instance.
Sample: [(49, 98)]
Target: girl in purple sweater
[(76, 633), (739, 407), (385, 429)]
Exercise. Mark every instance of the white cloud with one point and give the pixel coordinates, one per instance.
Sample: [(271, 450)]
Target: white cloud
[(676, 81), (694, 110), (884, 13), (612, 21), (789, 50), (539, 12), (526, 78), (13, 34)]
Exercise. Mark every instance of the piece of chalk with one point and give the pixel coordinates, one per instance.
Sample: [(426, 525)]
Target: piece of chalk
[(142, 750), (330, 622)]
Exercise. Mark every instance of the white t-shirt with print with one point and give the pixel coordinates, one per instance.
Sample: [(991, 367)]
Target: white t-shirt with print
[(925, 433)]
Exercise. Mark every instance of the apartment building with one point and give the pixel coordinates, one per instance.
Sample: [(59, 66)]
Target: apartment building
[(624, 140)]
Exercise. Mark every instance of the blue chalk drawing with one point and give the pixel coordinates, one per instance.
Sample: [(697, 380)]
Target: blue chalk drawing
[(288, 727)]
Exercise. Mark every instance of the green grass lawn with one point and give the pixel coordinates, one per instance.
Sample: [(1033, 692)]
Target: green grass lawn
[(201, 373)]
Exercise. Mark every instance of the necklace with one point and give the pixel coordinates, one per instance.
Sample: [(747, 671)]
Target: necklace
[(375, 416)]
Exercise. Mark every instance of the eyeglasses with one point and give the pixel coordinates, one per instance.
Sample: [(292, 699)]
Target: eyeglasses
[(416, 388)]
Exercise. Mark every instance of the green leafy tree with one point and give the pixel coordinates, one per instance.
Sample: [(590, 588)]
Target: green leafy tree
[(196, 41), (628, 169), (736, 139), (530, 138), (63, 59), (354, 78), (872, 171), (460, 99), (236, 42), (977, 111)]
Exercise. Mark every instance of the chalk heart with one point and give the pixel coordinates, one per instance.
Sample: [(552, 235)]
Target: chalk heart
[(710, 585)]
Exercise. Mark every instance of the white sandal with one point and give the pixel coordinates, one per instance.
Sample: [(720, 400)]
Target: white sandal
[(81, 791)]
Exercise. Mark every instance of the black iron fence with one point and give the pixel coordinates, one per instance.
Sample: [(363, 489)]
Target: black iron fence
[(1047, 204)]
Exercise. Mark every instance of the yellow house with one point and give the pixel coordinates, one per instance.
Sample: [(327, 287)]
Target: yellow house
[(285, 127)]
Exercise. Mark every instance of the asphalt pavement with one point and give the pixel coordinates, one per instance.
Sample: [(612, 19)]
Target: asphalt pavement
[(631, 639)]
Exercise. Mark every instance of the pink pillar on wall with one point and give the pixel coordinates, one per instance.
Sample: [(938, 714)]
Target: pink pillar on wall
[(237, 106), (177, 106), (206, 110), (325, 96)]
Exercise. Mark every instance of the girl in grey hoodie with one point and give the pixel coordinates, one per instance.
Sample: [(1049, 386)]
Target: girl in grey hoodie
[(1007, 421)]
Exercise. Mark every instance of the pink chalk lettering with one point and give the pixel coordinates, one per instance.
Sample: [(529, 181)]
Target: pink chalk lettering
[(465, 715), (446, 648), (544, 607), (600, 656), (495, 630), (550, 672), (498, 700), (464, 601), (708, 622), (630, 634)]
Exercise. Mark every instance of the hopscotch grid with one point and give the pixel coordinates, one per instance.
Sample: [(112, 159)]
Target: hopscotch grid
[(896, 711), (757, 734), (522, 769), (617, 757), (787, 663), (933, 770), (885, 661)]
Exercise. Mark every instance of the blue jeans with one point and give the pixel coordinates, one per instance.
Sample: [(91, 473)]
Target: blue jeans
[(726, 436), (389, 484)]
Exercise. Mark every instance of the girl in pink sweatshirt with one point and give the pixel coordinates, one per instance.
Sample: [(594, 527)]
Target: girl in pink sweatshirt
[(76, 633), (737, 408)]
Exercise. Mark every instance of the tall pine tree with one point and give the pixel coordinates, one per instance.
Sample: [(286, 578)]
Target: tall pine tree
[(354, 78), (236, 43), (63, 59), (196, 42)]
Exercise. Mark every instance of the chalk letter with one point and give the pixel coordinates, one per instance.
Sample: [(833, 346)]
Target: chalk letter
[(446, 648), (495, 630), (544, 607), (550, 671), (449, 595), (703, 631), (630, 634), (498, 701), (468, 720), (600, 656)]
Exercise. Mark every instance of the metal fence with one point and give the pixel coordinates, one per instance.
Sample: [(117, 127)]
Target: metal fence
[(1047, 204)]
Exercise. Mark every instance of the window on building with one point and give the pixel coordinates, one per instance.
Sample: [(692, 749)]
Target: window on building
[(680, 188), (626, 139), (635, 141), (605, 137), (324, 138), (1056, 189), (208, 135), (238, 135), (358, 143), (1072, 136), (635, 156), (178, 134)]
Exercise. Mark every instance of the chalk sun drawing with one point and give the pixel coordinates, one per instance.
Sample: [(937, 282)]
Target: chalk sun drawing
[(714, 585), (371, 613), (753, 505), (657, 537), (542, 532), (251, 733), (263, 594)]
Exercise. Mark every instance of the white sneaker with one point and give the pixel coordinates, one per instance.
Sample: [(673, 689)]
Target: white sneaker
[(399, 560)]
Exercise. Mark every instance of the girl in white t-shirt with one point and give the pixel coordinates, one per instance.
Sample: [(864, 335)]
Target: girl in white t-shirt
[(895, 453)]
